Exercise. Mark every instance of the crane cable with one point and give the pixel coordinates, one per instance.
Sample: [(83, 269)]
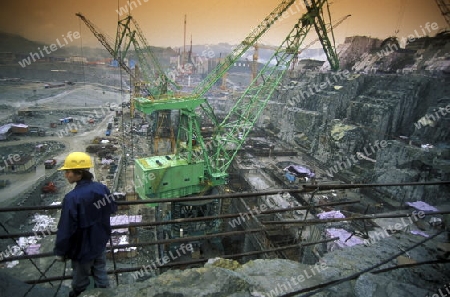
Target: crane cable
[(401, 13), (82, 61), (331, 26)]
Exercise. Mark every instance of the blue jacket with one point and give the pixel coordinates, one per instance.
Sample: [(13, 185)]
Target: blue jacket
[(84, 226)]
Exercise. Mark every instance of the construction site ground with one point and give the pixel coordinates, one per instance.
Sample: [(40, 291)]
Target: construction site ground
[(87, 100)]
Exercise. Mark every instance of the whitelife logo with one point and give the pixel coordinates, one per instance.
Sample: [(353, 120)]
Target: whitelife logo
[(49, 49), (130, 6), (11, 160), (289, 285), (430, 119), (354, 159), (159, 262), (392, 47)]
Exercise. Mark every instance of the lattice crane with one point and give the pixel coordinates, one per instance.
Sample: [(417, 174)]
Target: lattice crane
[(129, 33), (200, 165), (107, 42), (258, 46), (154, 83), (444, 7), (204, 164)]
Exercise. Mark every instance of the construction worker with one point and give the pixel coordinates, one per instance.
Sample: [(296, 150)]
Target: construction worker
[(84, 225)]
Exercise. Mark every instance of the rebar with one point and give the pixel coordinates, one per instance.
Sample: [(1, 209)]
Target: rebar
[(318, 288), (185, 220), (174, 264), (364, 217), (141, 244), (304, 189)]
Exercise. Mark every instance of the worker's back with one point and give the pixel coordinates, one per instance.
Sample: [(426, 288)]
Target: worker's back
[(89, 228)]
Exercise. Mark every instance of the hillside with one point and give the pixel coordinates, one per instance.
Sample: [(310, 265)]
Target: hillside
[(16, 44)]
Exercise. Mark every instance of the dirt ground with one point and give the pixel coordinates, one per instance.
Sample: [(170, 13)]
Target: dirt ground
[(26, 94), (48, 105)]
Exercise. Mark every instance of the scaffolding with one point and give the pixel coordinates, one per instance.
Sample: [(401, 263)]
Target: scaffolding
[(257, 231)]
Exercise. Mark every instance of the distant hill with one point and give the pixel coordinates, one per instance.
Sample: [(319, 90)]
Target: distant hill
[(18, 44)]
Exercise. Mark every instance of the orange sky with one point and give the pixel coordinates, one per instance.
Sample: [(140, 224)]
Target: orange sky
[(209, 21)]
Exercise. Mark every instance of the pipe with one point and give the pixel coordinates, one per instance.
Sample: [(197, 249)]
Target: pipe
[(364, 217), (175, 240), (198, 219)]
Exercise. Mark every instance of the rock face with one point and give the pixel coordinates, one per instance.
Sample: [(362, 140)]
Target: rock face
[(341, 118), (357, 49), (277, 277), (412, 164), (363, 54)]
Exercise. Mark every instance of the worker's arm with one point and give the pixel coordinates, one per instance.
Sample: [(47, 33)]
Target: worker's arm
[(67, 227)]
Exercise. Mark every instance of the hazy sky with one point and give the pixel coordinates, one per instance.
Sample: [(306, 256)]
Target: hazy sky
[(210, 21)]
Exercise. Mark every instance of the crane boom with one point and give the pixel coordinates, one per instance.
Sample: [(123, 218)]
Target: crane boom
[(444, 7), (143, 49), (106, 44), (129, 33), (236, 54), (321, 30), (257, 46), (329, 29), (242, 117), (248, 42)]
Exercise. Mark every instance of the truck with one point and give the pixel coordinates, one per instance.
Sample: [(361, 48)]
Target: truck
[(50, 163)]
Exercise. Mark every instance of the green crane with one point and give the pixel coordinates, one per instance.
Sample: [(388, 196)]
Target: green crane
[(107, 43), (162, 176), (208, 161), (200, 165), (155, 84), (129, 32)]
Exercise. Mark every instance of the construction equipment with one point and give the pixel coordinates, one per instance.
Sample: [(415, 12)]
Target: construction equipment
[(199, 165), (155, 84), (187, 106), (49, 187), (444, 7), (129, 32), (257, 46), (105, 40), (50, 163)]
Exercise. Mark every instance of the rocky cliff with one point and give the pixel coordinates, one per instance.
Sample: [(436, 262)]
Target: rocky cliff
[(341, 119), (278, 277)]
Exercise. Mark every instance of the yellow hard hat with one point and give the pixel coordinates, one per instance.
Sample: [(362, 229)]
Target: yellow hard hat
[(77, 160)]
